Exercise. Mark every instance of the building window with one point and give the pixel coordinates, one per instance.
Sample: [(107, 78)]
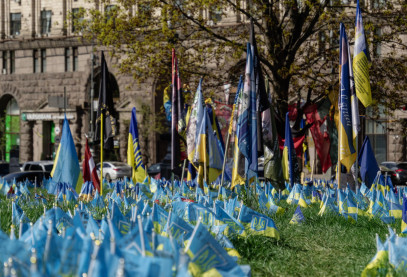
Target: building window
[(377, 45), (67, 59), (378, 4), (75, 58), (77, 18), (376, 130), (15, 24), (43, 60), (215, 15), (36, 61), (12, 62), (321, 44), (45, 22), (5, 62), (109, 11)]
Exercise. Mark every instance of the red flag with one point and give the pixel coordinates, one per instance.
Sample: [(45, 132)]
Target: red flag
[(89, 169), (319, 135), (298, 141)]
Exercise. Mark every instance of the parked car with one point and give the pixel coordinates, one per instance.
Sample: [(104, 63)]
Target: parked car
[(399, 173), (45, 166), (114, 170), (33, 176), (4, 168), (161, 169)]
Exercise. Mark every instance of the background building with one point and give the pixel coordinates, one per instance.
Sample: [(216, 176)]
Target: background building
[(42, 56)]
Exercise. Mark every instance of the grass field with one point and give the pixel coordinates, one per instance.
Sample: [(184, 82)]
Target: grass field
[(327, 245)]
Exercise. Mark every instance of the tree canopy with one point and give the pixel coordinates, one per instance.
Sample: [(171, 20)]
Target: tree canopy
[(297, 41)]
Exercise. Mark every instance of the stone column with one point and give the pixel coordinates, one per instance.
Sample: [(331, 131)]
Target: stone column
[(26, 140)]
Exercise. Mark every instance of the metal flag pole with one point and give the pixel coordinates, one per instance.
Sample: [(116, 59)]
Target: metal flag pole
[(101, 152), (65, 100), (183, 170), (357, 163), (338, 171), (224, 159)]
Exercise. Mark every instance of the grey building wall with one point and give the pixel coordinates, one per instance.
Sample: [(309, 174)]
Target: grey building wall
[(32, 90)]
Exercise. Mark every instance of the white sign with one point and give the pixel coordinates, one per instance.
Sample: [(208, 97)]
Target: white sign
[(48, 116), (57, 130)]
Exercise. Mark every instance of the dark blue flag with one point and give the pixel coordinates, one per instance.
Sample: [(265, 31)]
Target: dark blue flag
[(368, 163)]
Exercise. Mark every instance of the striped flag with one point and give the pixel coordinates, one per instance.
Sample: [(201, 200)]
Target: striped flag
[(347, 150), (134, 158), (89, 169)]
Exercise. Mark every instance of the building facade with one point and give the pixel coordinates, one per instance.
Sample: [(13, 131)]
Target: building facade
[(48, 71)]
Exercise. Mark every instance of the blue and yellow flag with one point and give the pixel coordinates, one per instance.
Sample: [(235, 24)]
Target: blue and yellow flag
[(361, 61), (238, 170), (298, 216), (404, 216), (66, 164), (347, 150), (264, 225), (290, 166), (197, 111), (134, 158)]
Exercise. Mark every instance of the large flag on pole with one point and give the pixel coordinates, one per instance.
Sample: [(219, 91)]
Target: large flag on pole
[(105, 106), (361, 61), (354, 100), (262, 101), (178, 145), (368, 163), (272, 156), (242, 158), (347, 150), (291, 170), (253, 160), (134, 158), (238, 170), (66, 164), (197, 111), (207, 149), (244, 131), (89, 169)]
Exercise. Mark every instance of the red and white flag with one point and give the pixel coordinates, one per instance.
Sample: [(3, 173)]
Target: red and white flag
[(89, 169)]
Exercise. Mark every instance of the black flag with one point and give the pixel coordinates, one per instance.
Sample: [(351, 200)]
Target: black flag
[(106, 107), (262, 97)]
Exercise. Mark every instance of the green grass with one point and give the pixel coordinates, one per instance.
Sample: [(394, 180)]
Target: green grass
[(327, 245)]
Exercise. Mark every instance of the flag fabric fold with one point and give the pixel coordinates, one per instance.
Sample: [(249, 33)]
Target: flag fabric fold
[(89, 169), (361, 61), (347, 150), (368, 163), (105, 106), (134, 158), (290, 163), (66, 164)]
